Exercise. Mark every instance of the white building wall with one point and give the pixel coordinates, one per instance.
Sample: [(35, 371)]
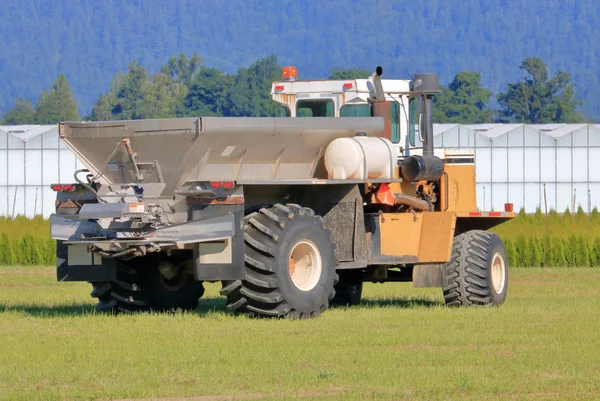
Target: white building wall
[(515, 161)]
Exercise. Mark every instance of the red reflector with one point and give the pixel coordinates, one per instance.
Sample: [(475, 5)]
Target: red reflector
[(69, 188), (216, 184), (57, 187), (348, 85), (495, 214), (508, 207), (474, 213), (279, 87), (228, 184)]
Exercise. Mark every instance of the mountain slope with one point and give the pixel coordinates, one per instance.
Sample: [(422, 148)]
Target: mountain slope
[(90, 41)]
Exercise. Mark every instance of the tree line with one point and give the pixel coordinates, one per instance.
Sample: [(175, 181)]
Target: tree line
[(186, 87)]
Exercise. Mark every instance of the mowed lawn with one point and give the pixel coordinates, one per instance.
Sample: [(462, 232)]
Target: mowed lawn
[(401, 343)]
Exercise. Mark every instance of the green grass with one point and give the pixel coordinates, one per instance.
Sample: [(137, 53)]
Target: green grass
[(401, 343)]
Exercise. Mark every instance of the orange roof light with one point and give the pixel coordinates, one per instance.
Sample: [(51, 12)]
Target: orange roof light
[(290, 73)]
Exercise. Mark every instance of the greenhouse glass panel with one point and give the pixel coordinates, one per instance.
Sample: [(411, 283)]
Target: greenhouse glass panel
[(500, 141), (19, 205), (34, 143), (580, 137), (3, 200), (564, 197), (499, 196), (33, 201), (532, 137), (68, 162), (466, 137), (481, 196), (3, 139), (546, 140), (547, 164), (580, 164), (515, 195), (50, 163), (515, 137), (594, 136), (16, 161), (594, 165), (437, 141), (450, 138), (15, 143), (581, 196), (515, 165), (535, 191), (50, 140), (48, 197), (564, 141), (594, 195), (483, 165), (33, 167), (499, 165), (482, 141), (531, 168), (3, 167), (563, 162)]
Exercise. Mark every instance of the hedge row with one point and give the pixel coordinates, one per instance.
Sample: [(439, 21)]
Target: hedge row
[(572, 251), (27, 250)]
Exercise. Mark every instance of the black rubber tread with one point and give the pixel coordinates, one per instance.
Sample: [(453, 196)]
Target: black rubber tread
[(136, 290), (262, 293), (468, 276)]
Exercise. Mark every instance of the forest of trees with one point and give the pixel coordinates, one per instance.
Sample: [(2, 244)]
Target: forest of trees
[(90, 41), (186, 87)]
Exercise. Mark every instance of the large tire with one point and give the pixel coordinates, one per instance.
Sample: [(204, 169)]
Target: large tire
[(144, 289), (477, 273), (272, 287)]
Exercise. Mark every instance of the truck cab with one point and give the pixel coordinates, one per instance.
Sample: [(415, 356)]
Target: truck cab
[(353, 98)]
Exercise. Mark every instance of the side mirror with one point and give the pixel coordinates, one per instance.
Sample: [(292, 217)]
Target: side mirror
[(415, 120)]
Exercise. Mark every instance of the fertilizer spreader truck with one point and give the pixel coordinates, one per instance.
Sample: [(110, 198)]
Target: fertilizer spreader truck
[(289, 213)]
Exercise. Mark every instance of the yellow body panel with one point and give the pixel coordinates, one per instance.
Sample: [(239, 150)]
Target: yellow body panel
[(426, 237), (457, 188)]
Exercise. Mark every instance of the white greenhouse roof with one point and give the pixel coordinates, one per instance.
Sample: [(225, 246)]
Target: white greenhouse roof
[(492, 131), (26, 132)]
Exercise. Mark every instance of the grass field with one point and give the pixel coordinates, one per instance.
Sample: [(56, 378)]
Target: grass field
[(401, 343)]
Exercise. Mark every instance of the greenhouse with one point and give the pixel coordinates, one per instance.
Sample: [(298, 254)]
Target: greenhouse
[(31, 159), (514, 163)]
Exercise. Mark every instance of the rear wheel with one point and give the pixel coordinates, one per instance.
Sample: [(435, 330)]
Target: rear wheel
[(150, 286), (289, 265), (477, 273)]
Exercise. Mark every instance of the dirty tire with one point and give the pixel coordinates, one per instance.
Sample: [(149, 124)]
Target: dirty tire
[(268, 290), (141, 289), (470, 278)]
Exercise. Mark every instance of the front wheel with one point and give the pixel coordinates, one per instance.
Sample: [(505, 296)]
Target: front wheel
[(289, 265), (477, 273)]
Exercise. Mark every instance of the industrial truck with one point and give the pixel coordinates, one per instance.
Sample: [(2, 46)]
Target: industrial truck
[(290, 214)]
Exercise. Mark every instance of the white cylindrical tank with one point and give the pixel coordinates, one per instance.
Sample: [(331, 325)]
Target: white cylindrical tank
[(360, 157)]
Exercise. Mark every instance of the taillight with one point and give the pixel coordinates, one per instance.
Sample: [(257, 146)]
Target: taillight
[(63, 187), (222, 184)]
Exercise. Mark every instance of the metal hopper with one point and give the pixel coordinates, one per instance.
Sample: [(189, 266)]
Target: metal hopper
[(176, 151)]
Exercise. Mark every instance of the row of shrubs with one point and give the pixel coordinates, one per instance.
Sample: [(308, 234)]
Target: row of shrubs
[(528, 243), (27, 250), (547, 251)]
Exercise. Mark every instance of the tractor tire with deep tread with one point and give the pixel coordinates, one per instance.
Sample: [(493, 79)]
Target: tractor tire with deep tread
[(268, 289), (477, 273), (142, 289)]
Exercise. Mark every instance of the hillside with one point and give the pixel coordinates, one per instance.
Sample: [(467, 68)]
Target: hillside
[(90, 41)]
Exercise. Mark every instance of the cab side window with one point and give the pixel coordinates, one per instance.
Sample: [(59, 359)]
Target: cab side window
[(315, 108)]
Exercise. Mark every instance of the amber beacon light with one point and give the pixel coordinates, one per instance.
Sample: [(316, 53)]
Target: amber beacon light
[(290, 73)]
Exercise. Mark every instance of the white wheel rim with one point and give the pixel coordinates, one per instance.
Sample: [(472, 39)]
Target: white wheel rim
[(305, 265), (498, 273)]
